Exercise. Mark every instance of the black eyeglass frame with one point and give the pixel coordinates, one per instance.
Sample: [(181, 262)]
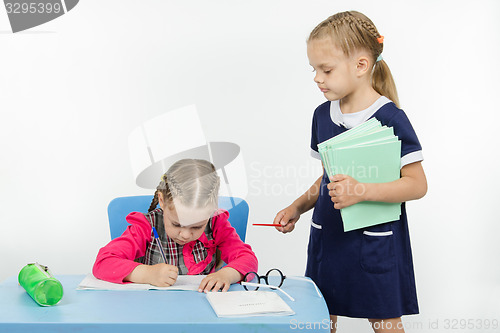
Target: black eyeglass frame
[(265, 278)]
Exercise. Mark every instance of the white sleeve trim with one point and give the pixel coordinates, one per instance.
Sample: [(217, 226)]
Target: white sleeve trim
[(413, 157), (315, 154)]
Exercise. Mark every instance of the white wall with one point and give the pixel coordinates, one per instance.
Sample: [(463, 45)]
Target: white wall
[(72, 90)]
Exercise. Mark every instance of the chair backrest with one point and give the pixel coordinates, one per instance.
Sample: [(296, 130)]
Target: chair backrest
[(119, 208)]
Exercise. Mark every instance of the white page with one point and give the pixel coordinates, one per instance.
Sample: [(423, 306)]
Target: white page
[(184, 282), (248, 303)]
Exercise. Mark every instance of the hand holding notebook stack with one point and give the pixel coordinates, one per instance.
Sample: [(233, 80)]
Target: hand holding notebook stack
[(370, 153)]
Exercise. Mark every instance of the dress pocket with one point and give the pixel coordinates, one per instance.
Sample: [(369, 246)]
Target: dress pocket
[(315, 248), (377, 251)]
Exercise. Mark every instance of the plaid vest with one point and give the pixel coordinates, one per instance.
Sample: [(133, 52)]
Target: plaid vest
[(172, 249)]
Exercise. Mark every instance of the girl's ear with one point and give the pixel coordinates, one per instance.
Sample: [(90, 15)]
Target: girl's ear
[(362, 65)]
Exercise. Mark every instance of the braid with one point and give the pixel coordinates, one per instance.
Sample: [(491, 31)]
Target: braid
[(164, 187), (213, 194), (173, 186), (354, 19), (372, 30), (154, 203), (353, 30), (368, 26)]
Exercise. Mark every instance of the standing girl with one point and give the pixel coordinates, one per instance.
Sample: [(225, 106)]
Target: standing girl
[(190, 228), (365, 273)]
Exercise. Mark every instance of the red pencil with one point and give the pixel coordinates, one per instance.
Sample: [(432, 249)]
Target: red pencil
[(267, 225)]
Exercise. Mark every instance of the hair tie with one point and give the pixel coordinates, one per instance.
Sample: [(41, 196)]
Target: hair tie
[(379, 58), (380, 39)]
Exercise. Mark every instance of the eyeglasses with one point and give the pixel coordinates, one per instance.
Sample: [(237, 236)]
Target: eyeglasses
[(273, 279)]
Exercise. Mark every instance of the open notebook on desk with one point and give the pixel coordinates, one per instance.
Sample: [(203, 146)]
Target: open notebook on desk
[(184, 282), (370, 153)]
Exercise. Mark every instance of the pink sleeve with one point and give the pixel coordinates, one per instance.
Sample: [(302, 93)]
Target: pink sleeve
[(234, 252), (116, 260)]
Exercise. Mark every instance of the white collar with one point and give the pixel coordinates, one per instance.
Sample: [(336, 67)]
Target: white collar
[(350, 120)]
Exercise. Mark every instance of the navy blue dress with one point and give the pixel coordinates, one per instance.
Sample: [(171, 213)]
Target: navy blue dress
[(365, 273)]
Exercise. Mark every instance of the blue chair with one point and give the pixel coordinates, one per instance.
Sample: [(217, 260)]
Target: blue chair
[(119, 208)]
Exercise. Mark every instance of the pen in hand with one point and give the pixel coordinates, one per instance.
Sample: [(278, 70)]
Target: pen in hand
[(158, 242)]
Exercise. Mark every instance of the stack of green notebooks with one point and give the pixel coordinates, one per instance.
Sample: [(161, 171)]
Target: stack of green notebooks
[(370, 153)]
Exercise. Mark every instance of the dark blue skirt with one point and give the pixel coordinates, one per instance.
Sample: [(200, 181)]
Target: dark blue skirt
[(366, 273)]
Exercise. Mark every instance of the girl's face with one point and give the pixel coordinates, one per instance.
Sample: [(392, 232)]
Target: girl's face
[(335, 73), (184, 224)]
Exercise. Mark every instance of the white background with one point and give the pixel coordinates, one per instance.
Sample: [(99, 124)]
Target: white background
[(72, 90)]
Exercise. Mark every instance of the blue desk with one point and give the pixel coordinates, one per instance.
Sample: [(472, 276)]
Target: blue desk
[(152, 311)]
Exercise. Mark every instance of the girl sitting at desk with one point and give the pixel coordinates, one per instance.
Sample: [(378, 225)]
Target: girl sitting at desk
[(190, 229)]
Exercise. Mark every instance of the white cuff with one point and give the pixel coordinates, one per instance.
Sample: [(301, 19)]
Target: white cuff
[(409, 158), (315, 154)]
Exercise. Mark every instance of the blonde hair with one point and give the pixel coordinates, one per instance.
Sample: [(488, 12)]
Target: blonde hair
[(352, 31), (194, 183)]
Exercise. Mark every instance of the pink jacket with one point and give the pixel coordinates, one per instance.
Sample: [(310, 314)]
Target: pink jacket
[(116, 260)]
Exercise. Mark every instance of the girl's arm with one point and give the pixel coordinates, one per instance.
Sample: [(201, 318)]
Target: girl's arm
[(346, 191), (161, 275), (290, 215), (115, 261)]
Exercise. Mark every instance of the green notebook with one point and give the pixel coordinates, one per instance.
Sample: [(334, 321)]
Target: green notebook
[(370, 153)]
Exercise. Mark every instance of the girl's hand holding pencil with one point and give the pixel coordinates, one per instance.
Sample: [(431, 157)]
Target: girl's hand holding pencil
[(287, 219), (163, 275), (160, 275)]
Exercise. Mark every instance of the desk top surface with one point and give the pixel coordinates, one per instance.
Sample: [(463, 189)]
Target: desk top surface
[(149, 307)]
